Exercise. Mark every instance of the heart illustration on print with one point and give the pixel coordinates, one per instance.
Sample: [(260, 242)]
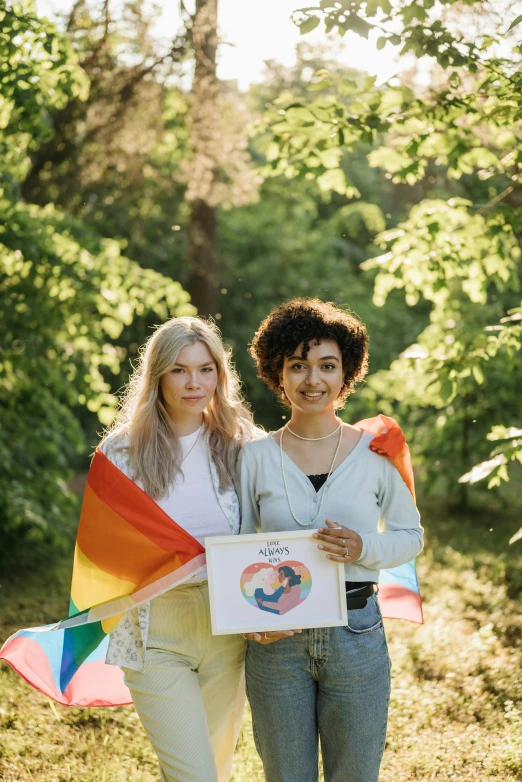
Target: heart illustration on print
[(276, 589)]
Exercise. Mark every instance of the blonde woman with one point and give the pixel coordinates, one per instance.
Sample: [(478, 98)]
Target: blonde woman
[(177, 436), (262, 580)]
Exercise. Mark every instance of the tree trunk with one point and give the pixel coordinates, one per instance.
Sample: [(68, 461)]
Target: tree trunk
[(203, 281), (203, 258), (465, 457)]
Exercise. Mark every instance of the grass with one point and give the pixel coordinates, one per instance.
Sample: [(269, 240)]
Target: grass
[(456, 708)]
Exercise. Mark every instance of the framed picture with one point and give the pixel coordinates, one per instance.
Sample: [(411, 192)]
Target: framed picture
[(273, 581)]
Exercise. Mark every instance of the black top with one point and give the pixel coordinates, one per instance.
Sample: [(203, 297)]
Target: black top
[(318, 480)]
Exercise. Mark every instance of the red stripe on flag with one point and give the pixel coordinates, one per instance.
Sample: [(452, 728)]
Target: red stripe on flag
[(131, 503)]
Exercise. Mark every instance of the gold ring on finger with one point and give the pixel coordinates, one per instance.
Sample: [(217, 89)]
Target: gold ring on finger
[(346, 553)]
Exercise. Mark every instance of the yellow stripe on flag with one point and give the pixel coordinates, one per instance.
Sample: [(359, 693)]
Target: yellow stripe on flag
[(91, 585), (110, 623)]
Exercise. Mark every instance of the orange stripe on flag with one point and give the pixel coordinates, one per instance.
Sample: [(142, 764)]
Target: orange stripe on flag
[(117, 547), (173, 564)]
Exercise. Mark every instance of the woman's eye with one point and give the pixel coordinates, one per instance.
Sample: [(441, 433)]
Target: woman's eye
[(208, 369), (328, 366), (177, 370), (298, 366)]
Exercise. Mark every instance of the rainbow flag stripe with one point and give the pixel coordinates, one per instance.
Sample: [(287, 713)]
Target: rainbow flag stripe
[(128, 550), (399, 593)]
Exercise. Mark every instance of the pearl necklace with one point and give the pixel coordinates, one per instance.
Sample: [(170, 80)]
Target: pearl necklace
[(313, 439), (325, 487)]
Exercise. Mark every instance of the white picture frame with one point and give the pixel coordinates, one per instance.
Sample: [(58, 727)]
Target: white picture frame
[(245, 597)]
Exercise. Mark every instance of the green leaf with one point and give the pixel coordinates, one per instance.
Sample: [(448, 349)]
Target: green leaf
[(333, 179), (515, 22), (482, 470), (358, 25), (478, 373), (381, 42), (454, 79), (309, 24), (447, 389), (412, 12), (330, 157), (388, 158)]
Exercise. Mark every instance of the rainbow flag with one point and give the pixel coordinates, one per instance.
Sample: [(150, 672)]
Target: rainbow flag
[(128, 550), (399, 593)]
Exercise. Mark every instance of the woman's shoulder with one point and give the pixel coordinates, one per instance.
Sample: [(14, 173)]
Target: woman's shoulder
[(259, 445), (115, 446), (259, 440), (117, 440), (254, 433)]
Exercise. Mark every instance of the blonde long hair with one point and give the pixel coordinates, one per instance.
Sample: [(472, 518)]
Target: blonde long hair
[(257, 580), (144, 429)]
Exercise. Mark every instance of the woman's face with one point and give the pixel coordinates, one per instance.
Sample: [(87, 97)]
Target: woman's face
[(314, 383), (267, 581), (191, 383), (281, 576)]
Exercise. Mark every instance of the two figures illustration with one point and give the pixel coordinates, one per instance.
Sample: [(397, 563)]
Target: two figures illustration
[(278, 600)]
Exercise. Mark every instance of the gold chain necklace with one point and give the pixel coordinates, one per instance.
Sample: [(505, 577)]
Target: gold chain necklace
[(193, 445), (325, 488)]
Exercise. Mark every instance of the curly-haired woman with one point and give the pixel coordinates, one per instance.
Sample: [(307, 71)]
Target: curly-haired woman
[(318, 472), (177, 437)]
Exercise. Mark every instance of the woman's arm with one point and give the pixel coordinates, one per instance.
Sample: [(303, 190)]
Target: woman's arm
[(274, 597), (401, 535), (247, 495), (289, 601)]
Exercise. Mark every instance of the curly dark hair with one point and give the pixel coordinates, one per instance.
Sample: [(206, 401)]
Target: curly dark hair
[(310, 321), (293, 577)]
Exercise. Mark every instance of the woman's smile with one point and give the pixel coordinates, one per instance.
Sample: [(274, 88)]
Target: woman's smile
[(312, 395)]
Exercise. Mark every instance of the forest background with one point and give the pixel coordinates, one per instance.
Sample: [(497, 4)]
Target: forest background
[(130, 175), (136, 186)]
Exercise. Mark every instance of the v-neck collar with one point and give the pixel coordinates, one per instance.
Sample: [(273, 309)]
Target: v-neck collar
[(365, 438)]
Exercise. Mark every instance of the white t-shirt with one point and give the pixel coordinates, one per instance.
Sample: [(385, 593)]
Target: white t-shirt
[(192, 501)]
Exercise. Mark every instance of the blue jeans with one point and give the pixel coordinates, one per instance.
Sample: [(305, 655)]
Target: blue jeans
[(331, 683)]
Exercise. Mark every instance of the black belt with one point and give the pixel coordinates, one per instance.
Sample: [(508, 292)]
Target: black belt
[(357, 593)]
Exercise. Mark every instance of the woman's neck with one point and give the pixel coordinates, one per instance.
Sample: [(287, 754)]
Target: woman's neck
[(185, 425), (318, 425)]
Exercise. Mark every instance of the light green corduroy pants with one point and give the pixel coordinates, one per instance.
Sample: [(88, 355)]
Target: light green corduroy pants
[(191, 695)]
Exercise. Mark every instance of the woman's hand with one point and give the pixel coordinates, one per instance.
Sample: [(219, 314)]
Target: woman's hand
[(340, 543), (270, 636)]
